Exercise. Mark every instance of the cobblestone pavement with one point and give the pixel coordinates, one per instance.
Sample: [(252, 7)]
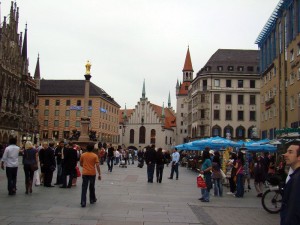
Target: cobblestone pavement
[(125, 197)]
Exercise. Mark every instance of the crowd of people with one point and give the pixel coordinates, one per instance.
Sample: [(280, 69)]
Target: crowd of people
[(239, 168)]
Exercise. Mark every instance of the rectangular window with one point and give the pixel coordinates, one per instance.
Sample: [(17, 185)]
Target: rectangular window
[(77, 124), (202, 113), (181, 123), (252, 100), (202, 98), (240, 115), (217, 82), (220, 68), (216, 114), (90, 113), (90, 102), (228, 99), (67, 123), (292, 78), (46, 102), (240, 83), (182, 106), (228, 83), (55, 123), (252, 83), (57, 102), (240, 99), (78, 113), (228, 115), (252, 116), (46, 123), (217, 98), (292, 103), (56, 113), (68, 102), (46, 112), (67, 113), (78, 103)]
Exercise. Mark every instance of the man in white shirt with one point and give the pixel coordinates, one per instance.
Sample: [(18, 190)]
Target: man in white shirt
[(174, 163), (11, 160)]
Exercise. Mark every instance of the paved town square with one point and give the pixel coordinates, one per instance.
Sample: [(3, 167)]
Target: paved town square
[(125, 197)]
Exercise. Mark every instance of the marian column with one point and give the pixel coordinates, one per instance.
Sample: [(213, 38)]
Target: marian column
[(85, 120)]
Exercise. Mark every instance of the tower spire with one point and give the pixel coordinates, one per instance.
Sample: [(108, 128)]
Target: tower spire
[(163, 111), (24, 50), (144, 91), (188, 68), (169, 101), (188, 62), (37, 74)]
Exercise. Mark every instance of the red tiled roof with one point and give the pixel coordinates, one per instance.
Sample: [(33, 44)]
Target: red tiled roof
[(184, 88), (188, 62)]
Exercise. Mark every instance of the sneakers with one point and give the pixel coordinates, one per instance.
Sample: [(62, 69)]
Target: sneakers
[(230, 193)]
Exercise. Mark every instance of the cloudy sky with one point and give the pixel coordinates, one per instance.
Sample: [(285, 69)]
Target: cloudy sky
[(128, 41)]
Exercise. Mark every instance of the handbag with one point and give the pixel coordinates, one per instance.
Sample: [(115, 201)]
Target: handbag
[(222, 174), (78, 171), (34, 167), (201, 182)]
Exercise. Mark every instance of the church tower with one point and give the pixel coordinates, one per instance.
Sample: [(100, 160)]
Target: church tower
[(188, 68), (181, 98)]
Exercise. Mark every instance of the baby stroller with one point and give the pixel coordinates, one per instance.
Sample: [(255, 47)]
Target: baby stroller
[(122, 162)]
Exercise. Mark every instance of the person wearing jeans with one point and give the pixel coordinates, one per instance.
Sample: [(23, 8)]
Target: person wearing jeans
[(110, 158), (11, 160), (174, 163), (89, 162), (206, 171)]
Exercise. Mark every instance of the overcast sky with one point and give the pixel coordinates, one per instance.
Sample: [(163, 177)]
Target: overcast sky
[(128, 41)]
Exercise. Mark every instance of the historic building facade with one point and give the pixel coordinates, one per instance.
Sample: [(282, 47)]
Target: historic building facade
[(18, 89), (223, 99), (279, 44), (182, 101), (60, 110), (147, 124)]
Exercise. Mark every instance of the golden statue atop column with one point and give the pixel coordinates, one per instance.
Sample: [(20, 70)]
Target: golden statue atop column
[(88, 68)]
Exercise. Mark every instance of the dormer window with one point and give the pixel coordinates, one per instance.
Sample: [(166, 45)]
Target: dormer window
[(230, 68), (207, 68), (240, 68), (220, 68), (250, 68)]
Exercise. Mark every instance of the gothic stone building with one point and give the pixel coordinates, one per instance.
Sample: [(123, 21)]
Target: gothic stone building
[(18, 90)]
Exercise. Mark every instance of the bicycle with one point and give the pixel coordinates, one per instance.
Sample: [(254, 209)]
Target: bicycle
[(272, 198)]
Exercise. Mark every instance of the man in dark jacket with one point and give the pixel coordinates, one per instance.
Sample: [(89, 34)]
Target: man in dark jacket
[(290, 209), (48, 164), (69, 166), (150, 159), (59, 154)]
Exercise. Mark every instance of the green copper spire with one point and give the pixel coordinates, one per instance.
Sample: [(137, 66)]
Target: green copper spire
[(125, 113), (163, 111), (169, 101)]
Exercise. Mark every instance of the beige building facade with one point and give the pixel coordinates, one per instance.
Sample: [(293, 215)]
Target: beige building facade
[(279, 44), (60, 110), (223, 99)]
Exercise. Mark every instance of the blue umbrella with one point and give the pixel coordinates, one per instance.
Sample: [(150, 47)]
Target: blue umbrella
[(216, 143)]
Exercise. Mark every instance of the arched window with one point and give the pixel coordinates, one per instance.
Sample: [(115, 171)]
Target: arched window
[(228, 132), (142, 135), (216, 131), (131, 136), (240, 132), (153, 136)]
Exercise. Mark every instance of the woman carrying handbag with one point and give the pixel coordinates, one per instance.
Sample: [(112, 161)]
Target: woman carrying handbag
[(30, 159)]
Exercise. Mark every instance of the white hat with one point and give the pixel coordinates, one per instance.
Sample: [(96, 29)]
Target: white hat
[(211, 152)]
